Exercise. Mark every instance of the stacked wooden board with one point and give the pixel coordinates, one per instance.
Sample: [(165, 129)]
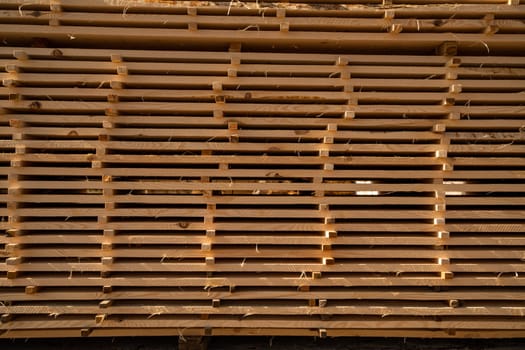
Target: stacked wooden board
[(326, 168)]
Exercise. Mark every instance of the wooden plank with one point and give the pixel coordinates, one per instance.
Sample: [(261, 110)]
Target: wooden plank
[(403, 279), (393, 97), (269, 173), (108, 332), (386, 71), (474, 8), (276, 56), (242, 22), (146, 81), (299, 268), (254, 322), (130, 238), (267, 186), (282, 294), (383, 310), (273, 252)]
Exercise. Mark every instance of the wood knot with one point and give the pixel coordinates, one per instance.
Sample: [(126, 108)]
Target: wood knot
[(184, 224), (57, 53), (35, 105)]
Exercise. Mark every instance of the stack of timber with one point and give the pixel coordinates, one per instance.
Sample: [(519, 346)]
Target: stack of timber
[(326, 168)]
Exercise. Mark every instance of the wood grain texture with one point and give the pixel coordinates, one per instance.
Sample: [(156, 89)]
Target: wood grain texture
[(317, 168)]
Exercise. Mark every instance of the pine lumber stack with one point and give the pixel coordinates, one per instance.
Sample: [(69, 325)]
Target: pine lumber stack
[(325, 168)]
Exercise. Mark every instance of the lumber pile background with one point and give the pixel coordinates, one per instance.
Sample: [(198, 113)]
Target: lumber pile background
[(220, 168)]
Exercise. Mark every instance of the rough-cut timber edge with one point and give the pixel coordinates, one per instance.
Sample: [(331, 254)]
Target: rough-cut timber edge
[(326, 168)]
